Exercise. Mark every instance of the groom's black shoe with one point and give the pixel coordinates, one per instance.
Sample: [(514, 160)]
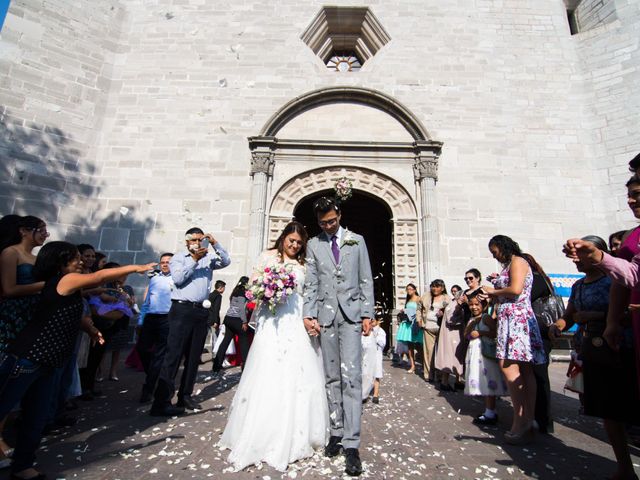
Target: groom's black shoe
[(352, 464), (188, 403), (334, 447)]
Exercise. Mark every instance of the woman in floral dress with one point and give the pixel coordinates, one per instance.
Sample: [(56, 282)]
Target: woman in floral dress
[(519, 343)]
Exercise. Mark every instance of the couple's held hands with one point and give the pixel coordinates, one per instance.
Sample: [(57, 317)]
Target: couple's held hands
[(312, 326), (582, 251)]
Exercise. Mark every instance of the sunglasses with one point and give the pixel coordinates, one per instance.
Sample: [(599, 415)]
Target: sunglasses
[(468, 279), (42, 231)]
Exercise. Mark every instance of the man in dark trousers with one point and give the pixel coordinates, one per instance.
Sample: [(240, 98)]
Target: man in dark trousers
[(154, 326), (191, 272), (236, 322)]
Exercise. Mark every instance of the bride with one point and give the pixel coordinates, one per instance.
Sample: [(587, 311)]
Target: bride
[(279, 413)]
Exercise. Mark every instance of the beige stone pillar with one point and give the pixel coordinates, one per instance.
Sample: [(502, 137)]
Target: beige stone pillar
[(262, 165), (425, 172)]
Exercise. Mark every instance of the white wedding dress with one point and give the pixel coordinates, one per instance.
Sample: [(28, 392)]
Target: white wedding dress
[(279, 413)]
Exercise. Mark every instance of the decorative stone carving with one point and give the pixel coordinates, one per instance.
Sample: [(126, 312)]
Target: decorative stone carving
[(399, 201), (262, 162), (425, 168)]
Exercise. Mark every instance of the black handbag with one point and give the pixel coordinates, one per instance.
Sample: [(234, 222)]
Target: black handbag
[(548, 308), (488, 347)]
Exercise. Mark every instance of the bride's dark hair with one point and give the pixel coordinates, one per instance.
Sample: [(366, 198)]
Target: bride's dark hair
[(293, 227)]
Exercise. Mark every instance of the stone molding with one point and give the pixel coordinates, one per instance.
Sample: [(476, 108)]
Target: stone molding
[(354, 95), (262, 162), (400, 203)]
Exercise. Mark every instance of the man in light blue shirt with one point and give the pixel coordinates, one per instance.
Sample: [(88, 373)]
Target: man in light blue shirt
[(191, 272), (154, 323)]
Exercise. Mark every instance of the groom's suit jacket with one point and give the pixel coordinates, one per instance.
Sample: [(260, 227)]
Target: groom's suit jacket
[(347, 285)]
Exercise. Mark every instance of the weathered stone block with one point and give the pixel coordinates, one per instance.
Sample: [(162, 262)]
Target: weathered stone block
[(114, 239)]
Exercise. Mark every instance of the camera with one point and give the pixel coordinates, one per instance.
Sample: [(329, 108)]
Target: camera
[(153, 273)]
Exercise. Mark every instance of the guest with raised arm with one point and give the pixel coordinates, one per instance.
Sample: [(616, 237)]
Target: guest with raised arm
[(191, 272), (26, 371)]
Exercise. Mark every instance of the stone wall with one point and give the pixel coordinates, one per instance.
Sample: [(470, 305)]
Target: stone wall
[(56, 59), (536, 123), (609, 64), (591, 14)]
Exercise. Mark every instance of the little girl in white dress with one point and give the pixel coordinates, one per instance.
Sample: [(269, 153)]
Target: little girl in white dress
[(482, 371)]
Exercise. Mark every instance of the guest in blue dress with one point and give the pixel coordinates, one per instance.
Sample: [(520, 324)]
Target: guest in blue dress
[(409, 335)]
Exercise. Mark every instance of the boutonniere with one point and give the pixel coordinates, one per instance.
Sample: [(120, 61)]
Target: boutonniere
[(348, 239)]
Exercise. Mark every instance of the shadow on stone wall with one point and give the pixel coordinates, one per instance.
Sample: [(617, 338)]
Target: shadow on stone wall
[(44, 172), (40, 169)]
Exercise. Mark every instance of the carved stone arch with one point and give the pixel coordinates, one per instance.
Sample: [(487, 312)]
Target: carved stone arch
[(354, 95), (391, 192), (273, 159), (400, 203)]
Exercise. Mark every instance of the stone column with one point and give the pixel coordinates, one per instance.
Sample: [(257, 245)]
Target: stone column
[(262, 165), (425, 170)]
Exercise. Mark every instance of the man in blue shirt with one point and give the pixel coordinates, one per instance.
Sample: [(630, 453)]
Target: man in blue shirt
[(191, 272), (154, 323)]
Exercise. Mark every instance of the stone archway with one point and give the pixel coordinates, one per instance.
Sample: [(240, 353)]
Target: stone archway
[(404, 216), (282, 164)]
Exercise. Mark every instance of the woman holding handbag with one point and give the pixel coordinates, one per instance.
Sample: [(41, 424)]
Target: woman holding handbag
[(430, 316)]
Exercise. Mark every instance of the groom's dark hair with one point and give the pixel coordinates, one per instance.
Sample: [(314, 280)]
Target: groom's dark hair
[(325, 205)]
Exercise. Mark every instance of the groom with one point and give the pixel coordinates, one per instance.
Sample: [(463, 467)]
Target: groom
[(338, 304)]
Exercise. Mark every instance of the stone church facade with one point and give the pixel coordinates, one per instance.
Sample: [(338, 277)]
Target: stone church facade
[(124, 122)]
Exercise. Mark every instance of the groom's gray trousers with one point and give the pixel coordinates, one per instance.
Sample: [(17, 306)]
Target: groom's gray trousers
[(342, 357)]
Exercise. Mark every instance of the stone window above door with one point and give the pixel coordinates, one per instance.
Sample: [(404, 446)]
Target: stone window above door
[(344, 38)]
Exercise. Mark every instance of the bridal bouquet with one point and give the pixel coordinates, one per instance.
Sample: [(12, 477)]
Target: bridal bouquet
[(272, 285)]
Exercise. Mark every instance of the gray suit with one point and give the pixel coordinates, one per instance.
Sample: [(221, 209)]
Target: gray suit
[(340, 296)]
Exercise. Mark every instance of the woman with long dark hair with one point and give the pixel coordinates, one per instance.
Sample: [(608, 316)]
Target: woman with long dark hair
[(19, 292), (235, 323), (450, 348), (26, 371), (429, 317), (519, 344)]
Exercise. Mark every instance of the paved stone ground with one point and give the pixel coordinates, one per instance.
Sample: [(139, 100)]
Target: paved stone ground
[(415, 432)]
